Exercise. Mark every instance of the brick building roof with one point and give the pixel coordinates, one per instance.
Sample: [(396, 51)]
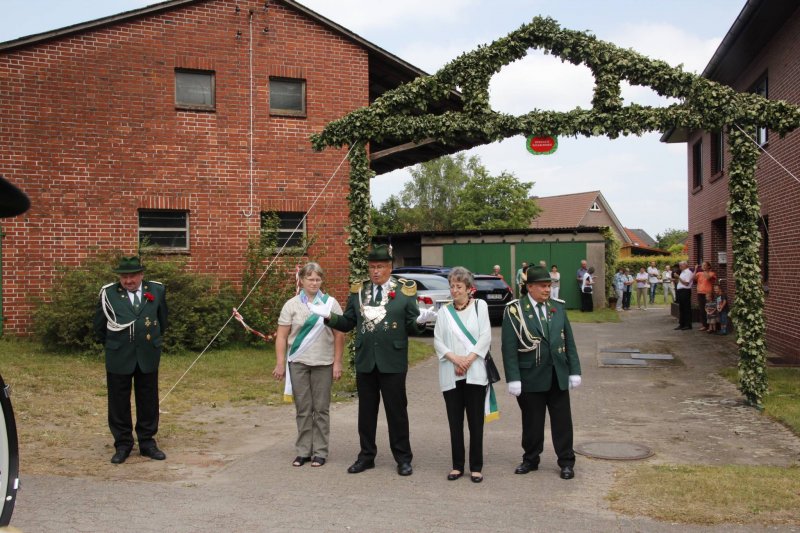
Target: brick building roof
[(574, 210)]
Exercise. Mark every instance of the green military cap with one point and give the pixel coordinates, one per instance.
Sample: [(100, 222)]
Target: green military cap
[(129, 265), (537, 274), (380, 252)]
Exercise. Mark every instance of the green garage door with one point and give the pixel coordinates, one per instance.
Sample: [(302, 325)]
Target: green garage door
[(567, 255), (479, 258)]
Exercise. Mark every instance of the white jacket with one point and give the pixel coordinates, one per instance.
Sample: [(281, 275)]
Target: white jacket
[(447, 341)]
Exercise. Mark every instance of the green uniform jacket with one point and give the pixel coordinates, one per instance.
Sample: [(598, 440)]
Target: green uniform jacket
[(140, 343), (386, 346), (557, 349)]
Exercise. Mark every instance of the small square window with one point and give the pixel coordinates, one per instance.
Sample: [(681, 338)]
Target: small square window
[(287, 96), (194, 89), (166, 229), (291, 227), (717, 151)]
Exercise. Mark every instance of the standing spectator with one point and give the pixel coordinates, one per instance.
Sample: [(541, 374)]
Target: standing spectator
[(653, 279), (626, 296), (666, 281), (461, 339), (705, 280), (579, 275), (543, 264), (522, 277), (711, 314), (130, 319), (555, 275), (684, 295), (641, 289), (587, 286), (541, 364), (496, 272), (383, 311), (619, 286), (722, 309)]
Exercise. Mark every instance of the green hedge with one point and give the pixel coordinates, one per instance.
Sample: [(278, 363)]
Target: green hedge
[(639, 261)]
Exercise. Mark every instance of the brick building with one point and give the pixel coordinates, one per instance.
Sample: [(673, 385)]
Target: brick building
[(760, 53), (182, 123)]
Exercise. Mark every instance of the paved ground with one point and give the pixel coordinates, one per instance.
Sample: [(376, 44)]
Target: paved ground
[(684, 412)]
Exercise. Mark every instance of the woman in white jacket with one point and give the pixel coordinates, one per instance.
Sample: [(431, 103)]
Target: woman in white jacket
[(462, 338)]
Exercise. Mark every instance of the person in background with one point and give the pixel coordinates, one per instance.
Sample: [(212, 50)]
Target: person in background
[(619, 286), (626, 296), (641, 289), (522, 276), (587, 287), (496, 272), (541, 364), (462, 338), (315, 360), (722, 309), (668, 284), (705, 280), (580, 274), (555, 276), (683, 291), (653, 279), (711, 315)]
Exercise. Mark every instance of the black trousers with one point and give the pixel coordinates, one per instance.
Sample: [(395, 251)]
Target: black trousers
[(626, 299), (119, 408), (533, 406), (371, 386), (586, 302), (701, 303), (684, 297), (470, 399)]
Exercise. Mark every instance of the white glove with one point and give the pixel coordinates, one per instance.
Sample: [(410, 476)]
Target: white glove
[(574, 382), (426, 315), (515, 388), (323, 309)]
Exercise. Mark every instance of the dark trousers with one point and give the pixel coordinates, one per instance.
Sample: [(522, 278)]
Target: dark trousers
[(701, 303), (371, 386), (684, 297), (626, 299), (533, 405), (145, 387), (469, 398), (586, 302)]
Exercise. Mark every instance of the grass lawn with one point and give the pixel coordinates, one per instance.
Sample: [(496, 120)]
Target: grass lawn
[(604, 314), (60, 400), (782, 402)]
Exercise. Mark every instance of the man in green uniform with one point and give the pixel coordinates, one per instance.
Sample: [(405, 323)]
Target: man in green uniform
[(541, 365), (383, 310), (130, 320)]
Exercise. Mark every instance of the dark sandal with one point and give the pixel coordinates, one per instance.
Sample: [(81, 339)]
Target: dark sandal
[(454, 475), (476, 478), (317, 461), (300, 461)]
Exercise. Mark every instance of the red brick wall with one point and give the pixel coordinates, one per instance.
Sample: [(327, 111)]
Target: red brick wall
[(90, 131), (779, 194)]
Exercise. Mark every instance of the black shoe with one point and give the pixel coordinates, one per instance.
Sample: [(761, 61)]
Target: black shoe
[(359, 466), (404, 469), (476, 477), (452, 477), (567, 472), (153, 453), (684, 328), (120, 455), (525, 467), (678, 327)]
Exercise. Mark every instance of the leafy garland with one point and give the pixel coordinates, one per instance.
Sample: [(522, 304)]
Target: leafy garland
[(406, 115)]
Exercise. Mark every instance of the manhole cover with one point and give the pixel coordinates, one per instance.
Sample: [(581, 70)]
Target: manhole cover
[(615, 451)]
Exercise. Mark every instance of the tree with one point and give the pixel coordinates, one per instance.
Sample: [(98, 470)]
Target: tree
[(489, 202), (671, 237), (387, 219)]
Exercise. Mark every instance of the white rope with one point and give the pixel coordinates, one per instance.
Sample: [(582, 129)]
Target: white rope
[(275, 258)]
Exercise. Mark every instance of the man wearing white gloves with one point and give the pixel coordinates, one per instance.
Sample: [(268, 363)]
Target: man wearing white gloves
[(383, 310), (541, 365)]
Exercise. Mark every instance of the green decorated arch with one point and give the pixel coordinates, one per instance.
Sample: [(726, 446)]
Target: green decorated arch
[(406, 115)]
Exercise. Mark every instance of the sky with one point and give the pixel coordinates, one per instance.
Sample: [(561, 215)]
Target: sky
[(643, 180)]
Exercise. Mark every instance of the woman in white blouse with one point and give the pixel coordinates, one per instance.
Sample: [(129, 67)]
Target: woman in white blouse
[(462, 338)]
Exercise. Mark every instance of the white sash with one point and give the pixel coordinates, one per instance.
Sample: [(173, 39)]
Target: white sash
[(305, 338)]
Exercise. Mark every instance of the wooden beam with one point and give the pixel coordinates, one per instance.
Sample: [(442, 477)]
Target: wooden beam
[(400, 148)]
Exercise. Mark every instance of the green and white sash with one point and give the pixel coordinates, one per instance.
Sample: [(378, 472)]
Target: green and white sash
[(490, 409), (308, 333)]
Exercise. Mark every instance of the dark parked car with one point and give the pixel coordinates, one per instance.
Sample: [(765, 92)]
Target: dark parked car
[(496, 293), (423, 269)]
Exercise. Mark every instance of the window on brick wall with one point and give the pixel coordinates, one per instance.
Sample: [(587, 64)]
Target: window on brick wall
[(697, 164), (761, 89), (287, 96), (698, 249), (168, 230), (194, 89), (763, 251), (290, 225), (717, 151)]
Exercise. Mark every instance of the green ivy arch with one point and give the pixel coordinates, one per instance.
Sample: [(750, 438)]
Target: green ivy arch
[(405, 115)]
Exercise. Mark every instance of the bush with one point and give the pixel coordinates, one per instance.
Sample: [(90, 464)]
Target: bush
[(198, 306)]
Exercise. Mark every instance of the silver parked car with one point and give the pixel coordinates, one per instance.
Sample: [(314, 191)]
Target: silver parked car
[(433, 291)]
